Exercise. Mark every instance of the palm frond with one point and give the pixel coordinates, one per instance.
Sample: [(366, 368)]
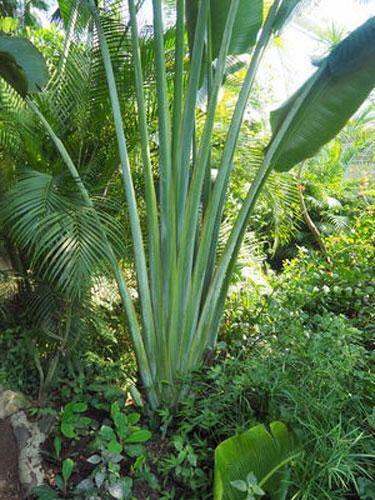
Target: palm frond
[(281, 197), (339, 222), (43, 306), (251, 254), (60, 234)]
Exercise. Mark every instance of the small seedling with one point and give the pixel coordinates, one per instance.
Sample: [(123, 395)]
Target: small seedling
[(62, 481), (250, 487)]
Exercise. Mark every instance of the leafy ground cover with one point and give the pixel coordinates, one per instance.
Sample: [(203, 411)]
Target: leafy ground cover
[(301, 355)]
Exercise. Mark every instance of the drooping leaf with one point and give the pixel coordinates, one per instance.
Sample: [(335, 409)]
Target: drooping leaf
[(61, 234), (245, 30), (255, 451), (346, 78), (22, 65)]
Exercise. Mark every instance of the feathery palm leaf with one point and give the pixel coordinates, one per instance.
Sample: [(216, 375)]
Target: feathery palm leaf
[(60, 233)]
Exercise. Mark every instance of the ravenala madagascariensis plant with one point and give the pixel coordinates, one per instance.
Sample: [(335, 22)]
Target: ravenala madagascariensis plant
[(182, 275)]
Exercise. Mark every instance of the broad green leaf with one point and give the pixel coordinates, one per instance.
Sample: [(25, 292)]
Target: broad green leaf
[(68, 430), (99, 478), (71, 408), (22, 65), (120, 420), (115, 410), (139, 462), (84, 421), (114, 447), (346, 78), (133, 418), (67, 469), (127, 484), (79, 407), (85, 485), (116, 458), (139, 436), (59, 482), (107, 433), (44, 492), (245, 30), (135, 450), (239, 485), (257, 451), (246, 27), (121, 424)]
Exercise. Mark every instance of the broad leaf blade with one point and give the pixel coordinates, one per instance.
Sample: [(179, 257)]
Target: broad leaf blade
[(245, 30), (67, 469), (22, 65), (246, 27), (257, 451), (346, 80)]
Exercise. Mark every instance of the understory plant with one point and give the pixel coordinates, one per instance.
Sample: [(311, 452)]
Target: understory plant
[(321, 356), (255, 462), (112, 444), (182, 274)]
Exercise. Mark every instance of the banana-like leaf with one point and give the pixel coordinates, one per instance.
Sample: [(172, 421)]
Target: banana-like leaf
[(346, 78), (247, 24), (22, 65), (265, 454), (245, 30)]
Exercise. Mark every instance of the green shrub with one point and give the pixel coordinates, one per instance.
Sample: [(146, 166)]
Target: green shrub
[(17, 367), (346, 286), (313, 376), (309, 285)]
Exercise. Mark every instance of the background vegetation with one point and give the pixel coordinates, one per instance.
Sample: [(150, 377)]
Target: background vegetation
[(296, 341)]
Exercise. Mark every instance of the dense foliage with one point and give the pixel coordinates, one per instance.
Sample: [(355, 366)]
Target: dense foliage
[(301, 354), (151, 327)]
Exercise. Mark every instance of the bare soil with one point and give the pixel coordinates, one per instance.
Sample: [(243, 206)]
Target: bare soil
[(10, 488)]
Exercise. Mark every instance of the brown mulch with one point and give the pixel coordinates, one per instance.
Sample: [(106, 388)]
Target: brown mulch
[(10, 488)]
